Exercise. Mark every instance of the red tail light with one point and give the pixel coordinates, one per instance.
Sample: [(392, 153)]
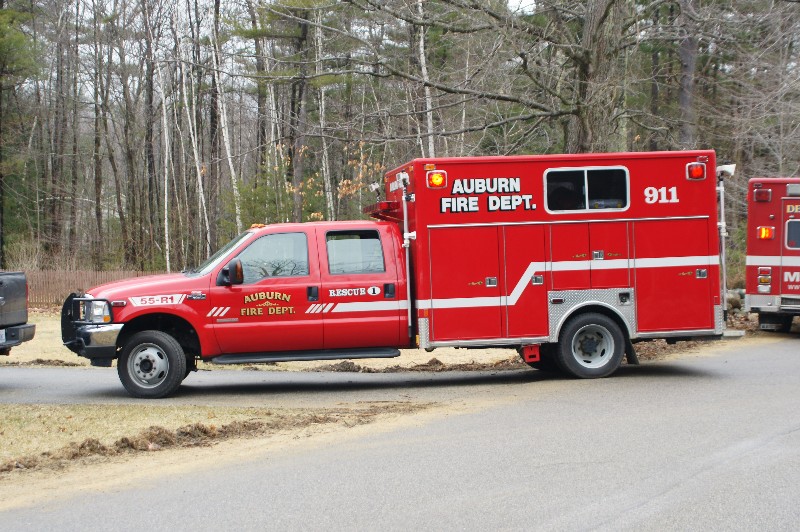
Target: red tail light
[(762, 194), (696, 171)]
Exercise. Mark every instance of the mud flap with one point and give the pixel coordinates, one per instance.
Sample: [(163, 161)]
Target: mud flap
[(630, 353)]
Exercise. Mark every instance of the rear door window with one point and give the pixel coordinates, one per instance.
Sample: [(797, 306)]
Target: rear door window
[(354, 252), (793, 234)]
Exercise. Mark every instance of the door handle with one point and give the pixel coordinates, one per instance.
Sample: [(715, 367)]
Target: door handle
[(701, 273), (313, 293), (388, 290), (491, 282), (598, 255)]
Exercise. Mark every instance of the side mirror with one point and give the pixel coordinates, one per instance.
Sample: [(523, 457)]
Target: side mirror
[(231, 274)]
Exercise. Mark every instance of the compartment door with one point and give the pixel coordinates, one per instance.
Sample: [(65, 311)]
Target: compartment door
[(673, 275), (609, 249), (572, 260), (465, 283), (526, 281), (790, 254)]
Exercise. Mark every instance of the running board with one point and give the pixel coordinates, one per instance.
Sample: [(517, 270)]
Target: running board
[(324, 354)]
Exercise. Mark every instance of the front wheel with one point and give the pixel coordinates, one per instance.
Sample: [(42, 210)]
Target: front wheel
[(152, 365), (591, 346)]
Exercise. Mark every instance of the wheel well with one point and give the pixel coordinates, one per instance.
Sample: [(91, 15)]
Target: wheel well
[(599, 309), (177, 327)]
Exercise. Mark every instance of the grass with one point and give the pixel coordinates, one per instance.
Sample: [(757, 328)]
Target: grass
[(53, 436)]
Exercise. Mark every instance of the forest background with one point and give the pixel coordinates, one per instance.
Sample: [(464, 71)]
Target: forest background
[(143, 134)]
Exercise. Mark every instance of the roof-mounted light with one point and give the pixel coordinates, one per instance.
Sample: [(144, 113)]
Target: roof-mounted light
[(696, 171), (762, 194), (436, 178)]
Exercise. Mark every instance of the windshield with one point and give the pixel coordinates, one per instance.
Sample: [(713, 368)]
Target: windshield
[(217, 257)]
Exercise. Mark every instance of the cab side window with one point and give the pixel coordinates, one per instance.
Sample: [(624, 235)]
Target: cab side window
[(793, 234), (354, 252), (579, 189), (278, 255)]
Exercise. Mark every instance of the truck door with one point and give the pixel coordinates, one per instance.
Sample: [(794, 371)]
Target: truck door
[(790, 255), (361, 294), (672, 275), (465, 283), (268, 311), (525, 281)]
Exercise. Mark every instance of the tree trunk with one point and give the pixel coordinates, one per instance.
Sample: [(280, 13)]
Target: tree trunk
[(687, 53)]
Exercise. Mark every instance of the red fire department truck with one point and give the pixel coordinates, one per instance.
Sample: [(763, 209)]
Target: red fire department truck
[(568, 258), (773, 251)]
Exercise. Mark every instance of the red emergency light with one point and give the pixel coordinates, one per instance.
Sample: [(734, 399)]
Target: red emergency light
[(696, 171), (765, 232), (762, 194), (436, 178)]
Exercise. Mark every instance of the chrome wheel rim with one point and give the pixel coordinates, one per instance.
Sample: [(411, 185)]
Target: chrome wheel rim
[(593, 346), (148, 365)]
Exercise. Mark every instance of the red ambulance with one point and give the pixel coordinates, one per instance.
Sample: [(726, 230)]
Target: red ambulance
[(772, 286), (568, 258)]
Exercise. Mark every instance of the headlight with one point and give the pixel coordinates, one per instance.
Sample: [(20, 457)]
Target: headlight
[(96, 312)]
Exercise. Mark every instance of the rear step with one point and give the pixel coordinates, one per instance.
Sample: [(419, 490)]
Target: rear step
[(324, 354)]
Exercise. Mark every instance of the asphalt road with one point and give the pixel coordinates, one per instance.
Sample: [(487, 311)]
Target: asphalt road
[(708, 442)]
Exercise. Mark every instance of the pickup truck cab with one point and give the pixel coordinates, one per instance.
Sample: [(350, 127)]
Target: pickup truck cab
[(274, 293), (14, 326)]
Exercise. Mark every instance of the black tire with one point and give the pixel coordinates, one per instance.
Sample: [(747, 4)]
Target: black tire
[(152, 365), (590, 346), (786, 324), (191, 365)]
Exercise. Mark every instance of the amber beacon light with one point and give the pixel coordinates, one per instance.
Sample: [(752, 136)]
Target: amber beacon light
[(766, 232), (437, 178)]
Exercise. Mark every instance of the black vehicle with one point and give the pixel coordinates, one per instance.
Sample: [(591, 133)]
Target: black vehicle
[(14, 326)]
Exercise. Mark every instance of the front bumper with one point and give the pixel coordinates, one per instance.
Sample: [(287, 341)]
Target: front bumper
[(95, 341)]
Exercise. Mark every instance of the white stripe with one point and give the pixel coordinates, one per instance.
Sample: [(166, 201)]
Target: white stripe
[(312, 309), (530, 271), (612, 264), (667, 262), (570, 265), (367, 306), (328, 307), (461, 302), (210, 312), (225, 311), (772, 260), (563, 266)]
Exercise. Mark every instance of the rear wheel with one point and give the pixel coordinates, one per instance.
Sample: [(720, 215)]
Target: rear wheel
[(152, 365), (590, 346)]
